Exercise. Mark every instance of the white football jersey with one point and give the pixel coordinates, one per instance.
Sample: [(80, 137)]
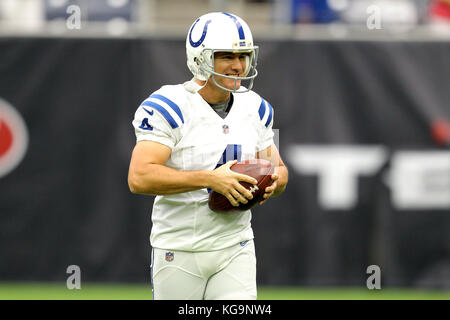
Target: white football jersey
[(201, 140)]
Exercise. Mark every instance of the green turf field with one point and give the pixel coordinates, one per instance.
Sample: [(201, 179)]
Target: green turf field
[(58, 291)]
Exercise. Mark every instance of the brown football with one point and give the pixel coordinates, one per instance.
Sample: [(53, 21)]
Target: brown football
[(259, 169)]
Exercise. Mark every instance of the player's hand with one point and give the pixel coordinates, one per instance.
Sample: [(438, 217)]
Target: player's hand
[(225, 181), (270, 189)]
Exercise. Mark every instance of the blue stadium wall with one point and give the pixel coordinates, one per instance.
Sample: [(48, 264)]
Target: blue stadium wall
[(363, 128)]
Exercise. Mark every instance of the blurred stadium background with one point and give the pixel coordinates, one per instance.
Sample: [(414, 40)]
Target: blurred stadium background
[(361, 94)]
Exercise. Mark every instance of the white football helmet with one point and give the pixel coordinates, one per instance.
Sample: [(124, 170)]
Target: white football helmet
[(220, 32)]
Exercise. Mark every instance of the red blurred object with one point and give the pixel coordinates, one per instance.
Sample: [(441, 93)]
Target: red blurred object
[(440, 9), (6, 138), (440, 131), (259, 169)]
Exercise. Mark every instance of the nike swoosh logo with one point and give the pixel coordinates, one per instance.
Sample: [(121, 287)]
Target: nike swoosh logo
[(243, 243), (149, 112)]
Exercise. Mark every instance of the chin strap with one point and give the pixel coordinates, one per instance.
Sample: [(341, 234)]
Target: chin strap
[(193, 86)]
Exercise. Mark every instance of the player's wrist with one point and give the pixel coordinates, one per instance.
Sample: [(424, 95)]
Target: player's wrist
[(205, 178)]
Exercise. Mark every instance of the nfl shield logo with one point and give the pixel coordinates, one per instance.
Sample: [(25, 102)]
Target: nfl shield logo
[(169, 256), (225, 128)]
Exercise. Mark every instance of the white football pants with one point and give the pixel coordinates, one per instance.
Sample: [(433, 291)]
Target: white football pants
[(227, 274)]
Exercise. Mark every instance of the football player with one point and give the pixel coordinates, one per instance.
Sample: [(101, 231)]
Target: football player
[(188, 136)]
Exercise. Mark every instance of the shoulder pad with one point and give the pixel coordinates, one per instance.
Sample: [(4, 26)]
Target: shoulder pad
[(166, 106)]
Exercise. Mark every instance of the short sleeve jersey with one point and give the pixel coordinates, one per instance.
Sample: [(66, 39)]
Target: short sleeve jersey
[(201, 140)]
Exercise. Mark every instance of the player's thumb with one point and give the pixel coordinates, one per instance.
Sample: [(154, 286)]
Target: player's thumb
[(230, 163)]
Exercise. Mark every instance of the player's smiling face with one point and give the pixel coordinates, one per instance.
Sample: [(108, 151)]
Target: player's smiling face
[(230, 64)]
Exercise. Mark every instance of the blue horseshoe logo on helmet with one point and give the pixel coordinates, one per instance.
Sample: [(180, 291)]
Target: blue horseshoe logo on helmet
[(199, 42)]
